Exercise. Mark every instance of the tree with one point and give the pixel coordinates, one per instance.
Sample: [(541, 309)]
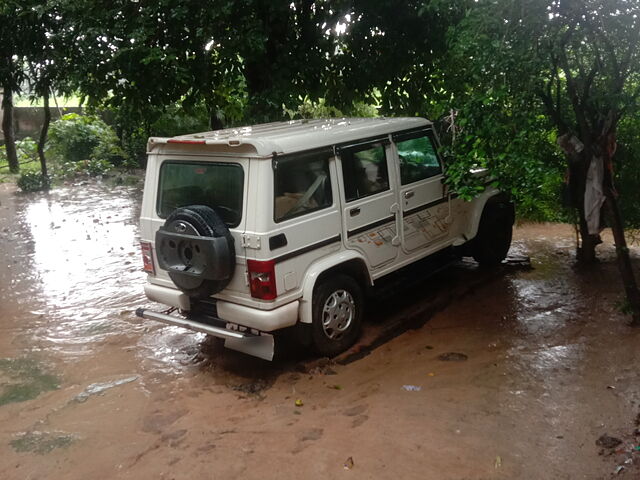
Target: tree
[(392, 53), (577, 61), (45, 53), (34, 56), (12, 26)]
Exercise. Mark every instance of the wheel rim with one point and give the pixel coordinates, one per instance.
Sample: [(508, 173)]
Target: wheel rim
[(337, 314)]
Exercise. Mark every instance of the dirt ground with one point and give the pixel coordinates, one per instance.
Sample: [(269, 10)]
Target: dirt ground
[(516, 373)]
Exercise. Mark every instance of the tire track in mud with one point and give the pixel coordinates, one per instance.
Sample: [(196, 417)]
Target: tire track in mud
[(464, 278)]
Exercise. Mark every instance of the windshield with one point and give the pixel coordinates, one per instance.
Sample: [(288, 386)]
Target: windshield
[(216, 185)]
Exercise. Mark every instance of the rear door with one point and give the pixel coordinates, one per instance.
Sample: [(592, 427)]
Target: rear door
[(423, 197), (217, 182), (369, 204)]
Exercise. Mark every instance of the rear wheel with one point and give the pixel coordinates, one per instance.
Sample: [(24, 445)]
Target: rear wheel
[(337, 315), (493, 240)]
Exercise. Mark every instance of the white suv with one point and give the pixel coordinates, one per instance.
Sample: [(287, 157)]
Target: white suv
[(251, 230)]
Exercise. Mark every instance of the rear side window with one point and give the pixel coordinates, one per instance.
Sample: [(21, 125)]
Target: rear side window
[(302, 185), (418, 160), (364, 170), (216, 185)]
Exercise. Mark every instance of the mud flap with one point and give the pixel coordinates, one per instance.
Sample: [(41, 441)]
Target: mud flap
[(261, 346)]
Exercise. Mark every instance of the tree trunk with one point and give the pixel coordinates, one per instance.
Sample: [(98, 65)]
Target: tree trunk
[(578, 166), (43, 139), (215, 122), (7, 130), (624, 262), (617, 227), (586, 253)]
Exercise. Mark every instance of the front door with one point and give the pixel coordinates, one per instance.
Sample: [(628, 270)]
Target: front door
[(368, 201), (423, 197)]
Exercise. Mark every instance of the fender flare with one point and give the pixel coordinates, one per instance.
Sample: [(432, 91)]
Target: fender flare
[(479, 204), (314, 272)]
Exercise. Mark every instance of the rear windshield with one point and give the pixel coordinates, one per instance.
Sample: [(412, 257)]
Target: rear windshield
[(216, 185)]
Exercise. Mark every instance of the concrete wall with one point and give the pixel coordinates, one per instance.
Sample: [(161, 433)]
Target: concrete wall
[(27, 121)]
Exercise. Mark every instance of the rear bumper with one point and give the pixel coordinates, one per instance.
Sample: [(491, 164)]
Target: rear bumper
[(255, 344), (167, 296), (263, 320)]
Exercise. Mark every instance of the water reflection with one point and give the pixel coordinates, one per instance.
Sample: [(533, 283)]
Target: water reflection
[(80, 249), (545, 345)]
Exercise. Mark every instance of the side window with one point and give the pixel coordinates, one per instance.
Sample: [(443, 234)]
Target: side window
[(418, 160), (302, 185), (364, 170)]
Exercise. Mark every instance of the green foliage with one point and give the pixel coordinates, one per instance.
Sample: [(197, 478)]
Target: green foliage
[(27, 150), (93, 167), (177, 121), (167, 68), (627, 170), (75, 138), (520, 72), (308, 108), (32, 181), (159, 122)]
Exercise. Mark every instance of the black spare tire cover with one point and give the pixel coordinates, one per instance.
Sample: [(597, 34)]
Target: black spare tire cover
[(197, 250)]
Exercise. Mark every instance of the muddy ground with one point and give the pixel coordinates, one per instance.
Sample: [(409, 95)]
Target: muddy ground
[(515, 373)]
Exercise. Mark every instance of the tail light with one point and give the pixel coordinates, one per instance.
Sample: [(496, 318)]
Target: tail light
[(147, 258), (262, 279)]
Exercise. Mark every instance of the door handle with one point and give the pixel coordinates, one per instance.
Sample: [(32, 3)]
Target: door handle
[(408, 194), (354, 211)]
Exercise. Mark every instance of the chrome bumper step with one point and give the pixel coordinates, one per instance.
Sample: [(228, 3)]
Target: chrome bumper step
[(261, 346)]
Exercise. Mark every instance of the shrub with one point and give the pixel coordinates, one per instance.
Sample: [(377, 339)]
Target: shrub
[(75, 138), (93, 168), (32, 181)]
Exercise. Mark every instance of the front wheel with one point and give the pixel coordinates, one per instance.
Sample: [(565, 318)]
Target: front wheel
[(337, 315), (493, 240)]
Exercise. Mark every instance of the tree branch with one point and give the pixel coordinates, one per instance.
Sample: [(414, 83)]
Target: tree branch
[(578, 109)]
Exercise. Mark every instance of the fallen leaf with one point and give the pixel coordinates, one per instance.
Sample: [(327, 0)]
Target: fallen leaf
[(299, 402)]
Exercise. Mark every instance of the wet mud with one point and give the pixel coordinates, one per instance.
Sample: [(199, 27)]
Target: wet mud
[(517, 372)]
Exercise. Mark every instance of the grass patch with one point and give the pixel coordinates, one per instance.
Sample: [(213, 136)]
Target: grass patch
[(23, 379), (41, 442)]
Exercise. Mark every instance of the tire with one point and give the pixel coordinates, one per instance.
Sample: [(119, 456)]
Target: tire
[(339, 297), (199, 220), (491, 245)]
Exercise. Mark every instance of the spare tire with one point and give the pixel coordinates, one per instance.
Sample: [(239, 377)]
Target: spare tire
[(197, 250)]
